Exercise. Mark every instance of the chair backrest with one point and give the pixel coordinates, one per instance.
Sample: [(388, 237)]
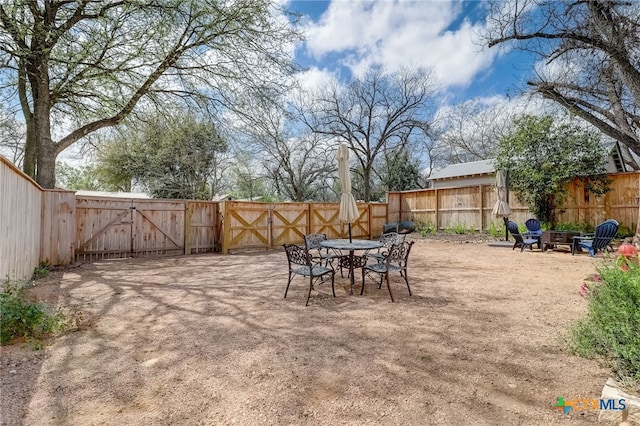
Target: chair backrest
[(297, 255), (513, 229), (390, 239), (604, 233), (312, 241), (534, 227), (399, 253)]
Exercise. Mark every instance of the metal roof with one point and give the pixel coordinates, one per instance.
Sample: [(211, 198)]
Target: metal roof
[(481, 167)]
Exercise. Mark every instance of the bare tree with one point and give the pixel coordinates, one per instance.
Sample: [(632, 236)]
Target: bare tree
[(297, 161), (82, 66), (591, 49), (472, 131), (11, 137), (380, 111)]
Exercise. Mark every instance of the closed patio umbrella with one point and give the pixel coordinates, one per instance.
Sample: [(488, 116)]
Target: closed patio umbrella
[(501, 208), (348, 207)]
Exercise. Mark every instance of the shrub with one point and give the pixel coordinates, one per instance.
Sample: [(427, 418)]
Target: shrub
[(575, 226), (496, 229), (21, 318), (425, 228), (40, 271), (611, 329), (624, 232), (459, 228)]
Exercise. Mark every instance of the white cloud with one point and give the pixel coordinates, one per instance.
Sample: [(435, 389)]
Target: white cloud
[(315, 78), (401, 33)]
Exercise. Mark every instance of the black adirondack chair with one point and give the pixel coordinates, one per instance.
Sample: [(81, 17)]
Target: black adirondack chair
[(520, 241)]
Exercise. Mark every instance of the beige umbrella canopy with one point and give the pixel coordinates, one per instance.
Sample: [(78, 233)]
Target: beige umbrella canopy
[(501, 208), (348, 207)]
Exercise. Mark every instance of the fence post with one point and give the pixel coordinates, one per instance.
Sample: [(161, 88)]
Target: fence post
[(481, 191), (188, 212), (437, 212), (270, 227), (226, 228)]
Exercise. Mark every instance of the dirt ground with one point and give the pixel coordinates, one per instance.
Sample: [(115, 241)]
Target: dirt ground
[(209, 339)]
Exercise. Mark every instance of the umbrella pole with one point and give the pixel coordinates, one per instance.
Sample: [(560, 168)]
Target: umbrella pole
[(506, 228), (350, 232)]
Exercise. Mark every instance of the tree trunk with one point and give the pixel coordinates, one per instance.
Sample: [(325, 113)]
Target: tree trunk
[(551, 205), (366, 185), (30, 148), (46, 152)]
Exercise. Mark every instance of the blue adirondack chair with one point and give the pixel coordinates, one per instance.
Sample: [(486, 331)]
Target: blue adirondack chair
[(534, 230), (599, 240), (520, 240)]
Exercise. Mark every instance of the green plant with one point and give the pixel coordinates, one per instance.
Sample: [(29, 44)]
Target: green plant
[(21, 318), (459, 228), (624, 232), (496, 229), (40, 271), (426, 228), (574, 226), (611, 329)]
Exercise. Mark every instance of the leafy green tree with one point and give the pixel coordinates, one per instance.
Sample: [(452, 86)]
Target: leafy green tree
[(400, 172), (76, 178), (114, 161), (541, 157), (170, 157), (81, 66)]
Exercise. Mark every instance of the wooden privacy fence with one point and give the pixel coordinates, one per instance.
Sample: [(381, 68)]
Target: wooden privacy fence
[(20, 223), (472, 206), (117, 227), (249, 225), (112, 228), (57, 227)]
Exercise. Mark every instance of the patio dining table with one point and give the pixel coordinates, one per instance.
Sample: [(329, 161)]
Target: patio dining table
[(352, 262)]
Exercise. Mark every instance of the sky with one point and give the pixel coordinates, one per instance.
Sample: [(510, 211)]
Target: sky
[(344, 37)]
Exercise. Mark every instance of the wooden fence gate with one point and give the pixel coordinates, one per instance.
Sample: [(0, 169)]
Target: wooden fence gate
[(252, 225), (114, 228)]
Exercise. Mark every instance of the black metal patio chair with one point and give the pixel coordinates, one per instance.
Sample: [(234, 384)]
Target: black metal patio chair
[(396, 260), (302, 263), (387, 241), (321, 255)]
